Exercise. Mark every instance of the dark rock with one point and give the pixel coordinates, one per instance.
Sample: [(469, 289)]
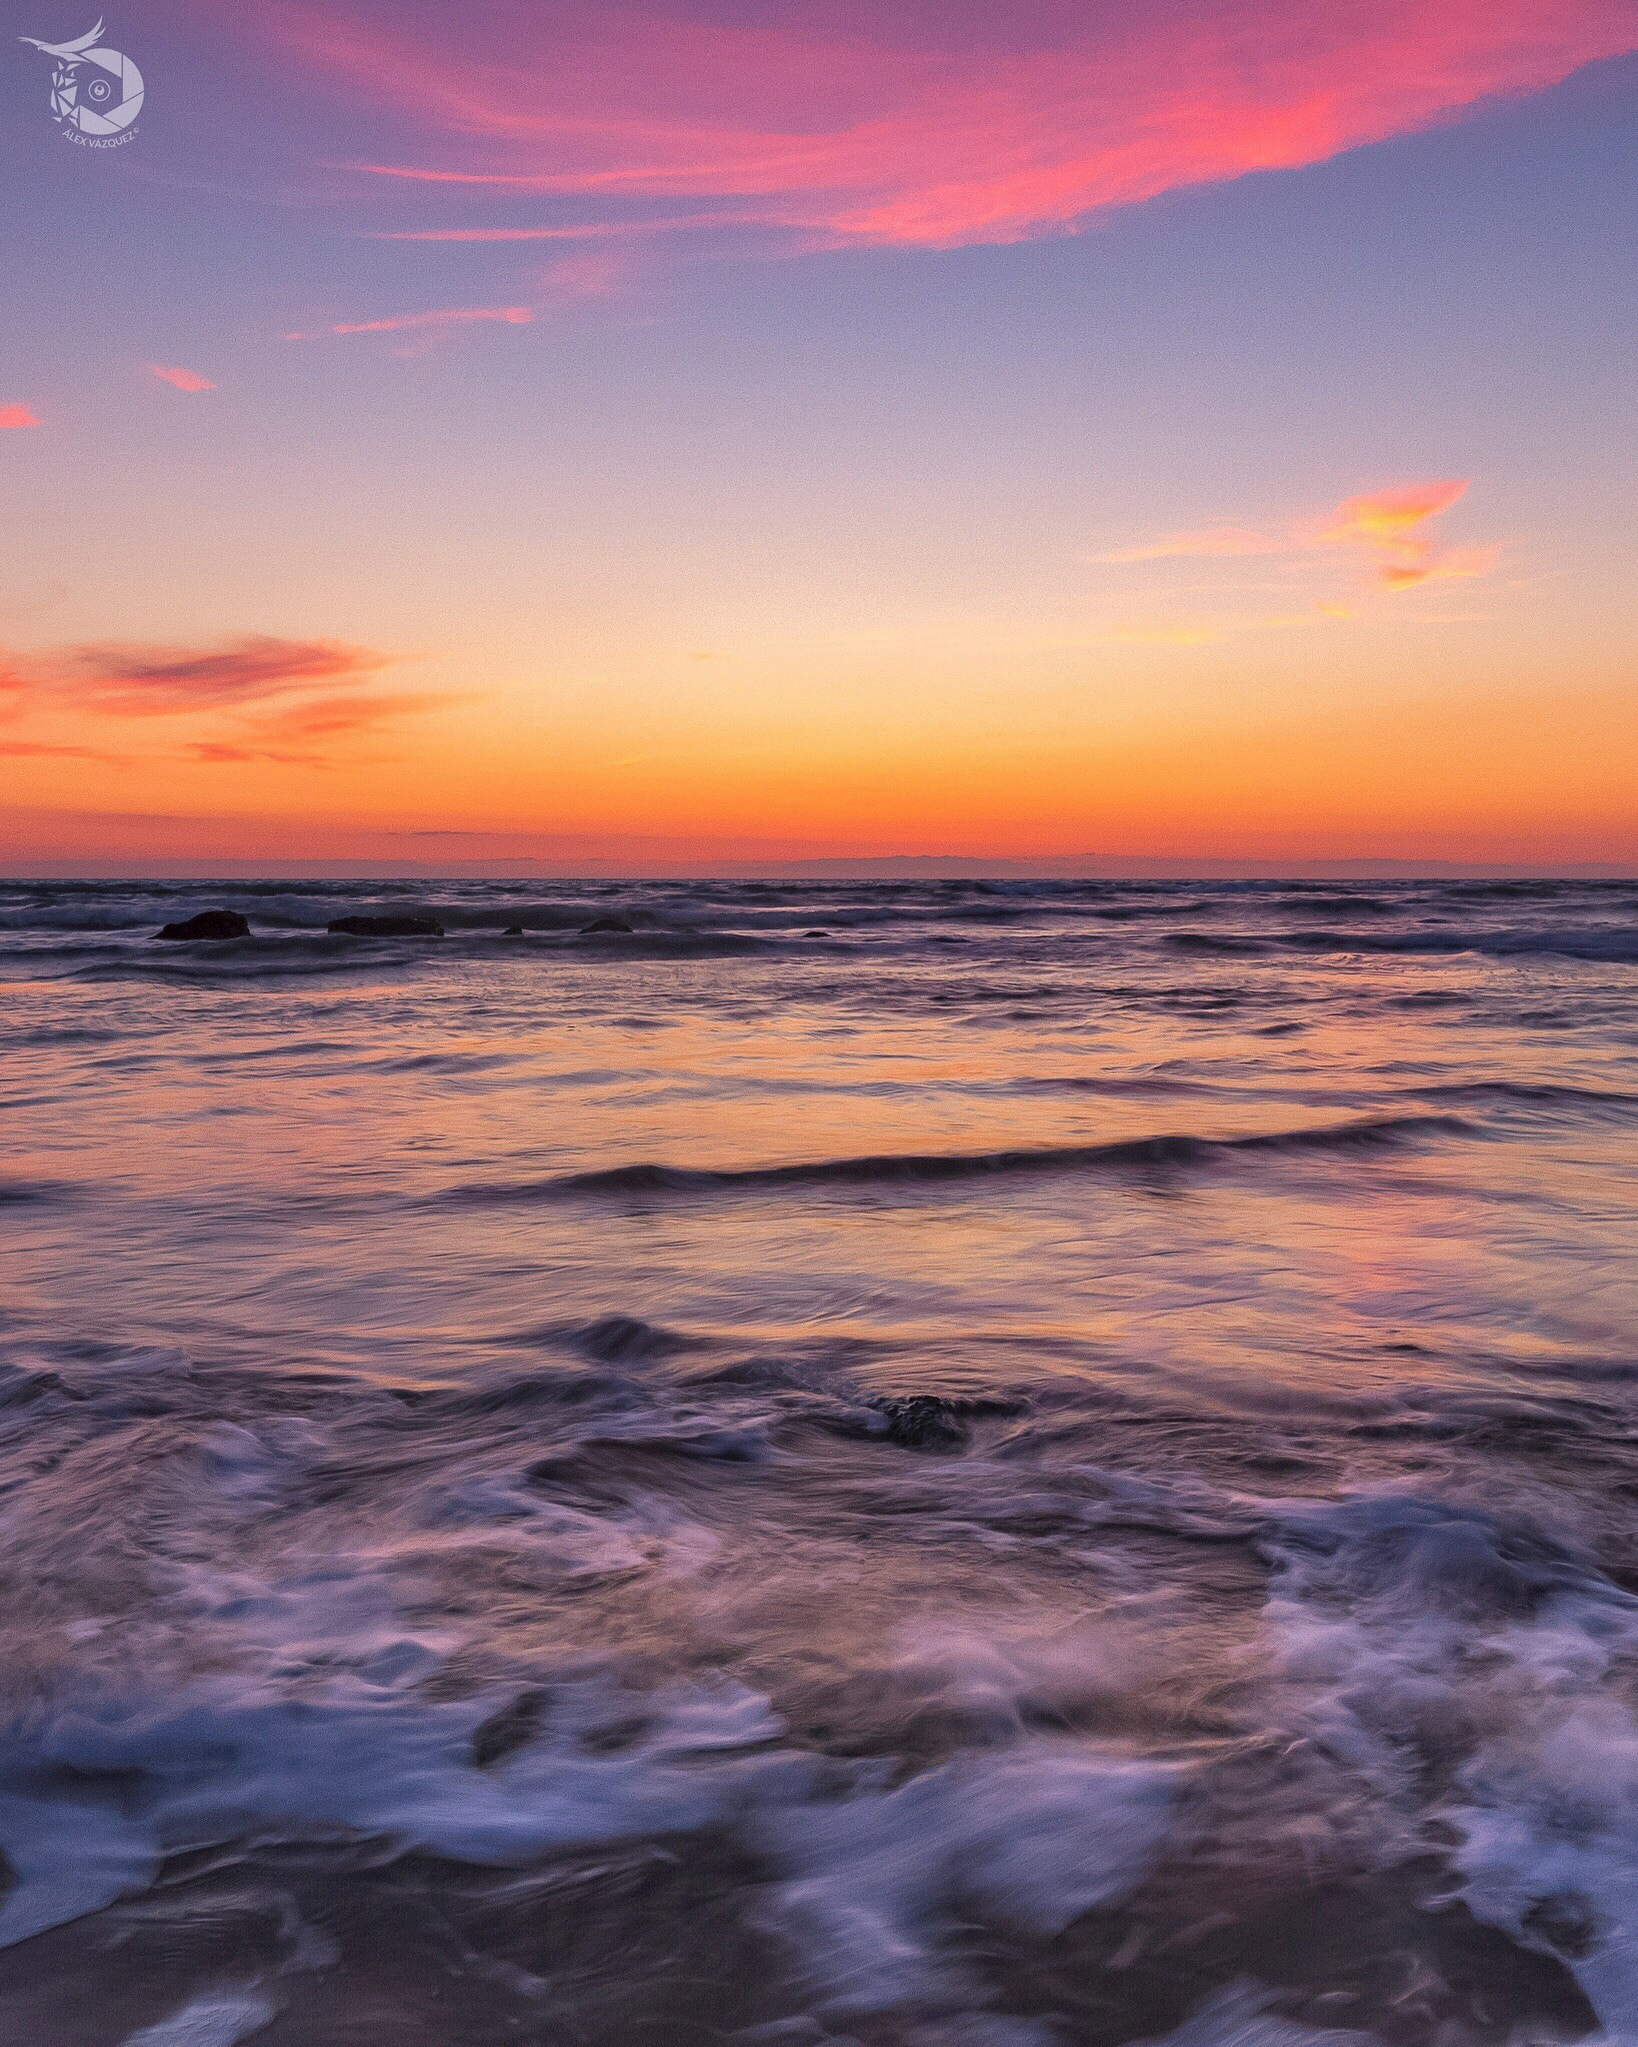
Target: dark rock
[(604, 924), (217, 924), (934, 1421), (924, 1422), (513, 931), (815, 934), (400, 924)]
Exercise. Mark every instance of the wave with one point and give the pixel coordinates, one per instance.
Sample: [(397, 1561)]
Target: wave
[(1579, 920), (1131, 913), (26, 1193), (1604, 1104), (1210, 942), (1375, 1608), (302, 950), (1304, 905), (1613, 944), (519, 1659), (889, 1169)]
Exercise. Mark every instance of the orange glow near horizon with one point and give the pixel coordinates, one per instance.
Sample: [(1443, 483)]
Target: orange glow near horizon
[(225, 755)]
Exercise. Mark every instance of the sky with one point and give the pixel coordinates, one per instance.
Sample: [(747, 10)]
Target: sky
[(1188, 436)]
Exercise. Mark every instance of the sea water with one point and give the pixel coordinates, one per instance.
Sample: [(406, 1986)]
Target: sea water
[(981, 1463)]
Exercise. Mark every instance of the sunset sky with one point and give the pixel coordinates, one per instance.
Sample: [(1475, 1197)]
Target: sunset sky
[(1189, 435)]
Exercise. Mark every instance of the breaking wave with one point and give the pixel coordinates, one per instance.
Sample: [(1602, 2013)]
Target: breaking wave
[(1139, 1154)]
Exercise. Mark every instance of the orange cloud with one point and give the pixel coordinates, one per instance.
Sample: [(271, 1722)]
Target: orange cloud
[(918, 124), (1386, 517), (181, 380), (262, 698), (1388, 527), (17, 415), (1453, 564), (442, 316), (39, 749), (1212, 540), (137, 682), (291, 735)]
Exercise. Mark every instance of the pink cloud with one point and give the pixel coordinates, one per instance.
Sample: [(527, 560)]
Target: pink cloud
[(1387, 516), (141, 681), (296, 734), (442, 316), (17, 415), (1388, 527), (181, 380), (1448, 565), (908, 123), (256, 697), (1212, 540)]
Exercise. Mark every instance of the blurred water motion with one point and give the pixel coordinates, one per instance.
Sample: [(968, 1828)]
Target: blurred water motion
[(983, 1464)]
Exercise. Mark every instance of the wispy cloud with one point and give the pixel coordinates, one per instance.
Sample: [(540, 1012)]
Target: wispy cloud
[(588, 274), (256, 697), (40, 749), (180, 379), (1386, 516), (1211, 540), (440, 316), (298, 735), (1389, 528), (1446, 565), (1385, 533), (919, 124), (18, 415), (144, 681)]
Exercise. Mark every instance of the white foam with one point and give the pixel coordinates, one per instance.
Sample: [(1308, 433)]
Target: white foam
[(571, 1543), (1028, 1836), (244, 1464), (1554, 1816), (216, 2018), (1429, 1651), (223, 1761), (70, 1856), (1238, 2017)]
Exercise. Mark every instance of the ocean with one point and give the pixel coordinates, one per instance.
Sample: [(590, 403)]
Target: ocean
[(953, 1465)]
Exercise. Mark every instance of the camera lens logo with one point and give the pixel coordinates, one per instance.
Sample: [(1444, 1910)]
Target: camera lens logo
[(95, 92)]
